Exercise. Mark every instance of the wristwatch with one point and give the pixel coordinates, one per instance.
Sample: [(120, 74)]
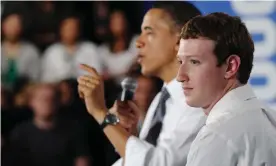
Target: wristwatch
[(110, 119)]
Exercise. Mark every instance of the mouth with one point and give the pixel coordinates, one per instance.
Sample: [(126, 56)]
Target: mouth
[(140, 59), (187, 90)]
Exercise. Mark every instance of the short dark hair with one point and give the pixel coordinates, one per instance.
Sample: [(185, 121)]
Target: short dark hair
[(230, 35), (180, 12)]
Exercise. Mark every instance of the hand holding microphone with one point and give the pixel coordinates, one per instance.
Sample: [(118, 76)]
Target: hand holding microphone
[(129, 85), (124, 108)]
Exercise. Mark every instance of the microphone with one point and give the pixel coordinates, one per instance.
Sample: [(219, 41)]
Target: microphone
[(129, 85)]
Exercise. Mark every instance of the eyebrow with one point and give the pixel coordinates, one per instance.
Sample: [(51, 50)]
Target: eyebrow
[(188, 56), (148, 28)]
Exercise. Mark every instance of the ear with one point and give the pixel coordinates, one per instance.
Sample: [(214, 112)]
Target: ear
[(177, 42), (233, 64)]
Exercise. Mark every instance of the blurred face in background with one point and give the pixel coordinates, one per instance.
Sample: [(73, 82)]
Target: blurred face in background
[(65, 92), (69, 30), (144, 93), (118, 23), (12, 27), (156, 43), (43, 101)]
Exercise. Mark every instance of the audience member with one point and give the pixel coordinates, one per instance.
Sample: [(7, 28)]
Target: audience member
[(147, 89), (61, 60), (46, 16), (120, 48), (47, 140), (18, 58)]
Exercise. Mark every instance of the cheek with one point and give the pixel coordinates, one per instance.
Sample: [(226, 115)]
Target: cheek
[(201, 77), (210, 80)]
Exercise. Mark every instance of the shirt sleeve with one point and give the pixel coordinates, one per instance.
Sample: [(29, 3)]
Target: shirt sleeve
[(211, 149), (172, 148)]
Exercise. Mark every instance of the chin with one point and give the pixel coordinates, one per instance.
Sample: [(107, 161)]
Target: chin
[(192, 103), (146, 72)]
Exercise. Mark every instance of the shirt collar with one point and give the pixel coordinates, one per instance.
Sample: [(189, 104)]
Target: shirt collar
[(231, 100)]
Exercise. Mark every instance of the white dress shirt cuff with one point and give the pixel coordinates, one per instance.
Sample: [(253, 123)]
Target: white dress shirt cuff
[(136, 151)]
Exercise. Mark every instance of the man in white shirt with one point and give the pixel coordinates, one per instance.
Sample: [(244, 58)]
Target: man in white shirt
[(216, 57), (170, 125)]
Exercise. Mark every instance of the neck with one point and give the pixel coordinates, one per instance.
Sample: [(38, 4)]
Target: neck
[(119, 36), (169, 72), (230, 86), (11, 43), (70, 47), (69, 44), (44, 123)]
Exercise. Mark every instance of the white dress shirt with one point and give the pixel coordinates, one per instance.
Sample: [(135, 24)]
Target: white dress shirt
[(180, 126), (239, 131), (58, 65)]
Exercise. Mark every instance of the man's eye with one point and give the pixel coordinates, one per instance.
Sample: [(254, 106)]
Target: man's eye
[(194, 62)]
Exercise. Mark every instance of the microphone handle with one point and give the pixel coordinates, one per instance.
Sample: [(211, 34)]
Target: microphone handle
[(126, 95)]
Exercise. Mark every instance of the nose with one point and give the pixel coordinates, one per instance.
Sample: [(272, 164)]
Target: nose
[(182, 75), (139, 42)]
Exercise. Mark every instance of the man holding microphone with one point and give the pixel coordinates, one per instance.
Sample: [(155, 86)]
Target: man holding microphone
[(170, 125)]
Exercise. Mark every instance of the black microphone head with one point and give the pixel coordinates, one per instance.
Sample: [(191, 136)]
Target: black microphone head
[(129, 85)]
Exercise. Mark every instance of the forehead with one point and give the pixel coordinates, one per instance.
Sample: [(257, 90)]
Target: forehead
[(70, 21), (196, 47), (43, 90), (117, 14), (156, 18), (12, 18)]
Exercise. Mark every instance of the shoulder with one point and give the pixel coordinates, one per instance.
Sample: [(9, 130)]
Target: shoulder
[(28, 45), (208, 140), (87, 45), (30, 48), (22, 128), (53, 49), (212, 149)]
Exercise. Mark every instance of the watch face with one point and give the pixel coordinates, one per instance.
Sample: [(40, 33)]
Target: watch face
[(112, 119)]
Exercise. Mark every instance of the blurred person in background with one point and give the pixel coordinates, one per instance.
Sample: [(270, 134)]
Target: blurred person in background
[(6, 99), (21, 99), (147, 89), (71, 107), (119, 53), (46, 140), (170, 125), (60, 61), (18, 58), (45, 16), (45, 23), (100, 19), (14, 109)]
